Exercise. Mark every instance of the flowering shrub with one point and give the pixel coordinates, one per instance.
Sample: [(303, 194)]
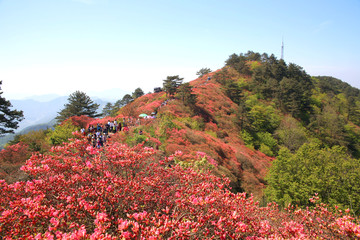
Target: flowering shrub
[(79, 192), (14, 154), (79, 121), (11, 159)]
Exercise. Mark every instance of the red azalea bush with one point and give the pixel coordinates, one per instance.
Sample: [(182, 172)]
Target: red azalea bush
[(78, 192), (11, 159), (150, 107), (15, 154), (79, 121)]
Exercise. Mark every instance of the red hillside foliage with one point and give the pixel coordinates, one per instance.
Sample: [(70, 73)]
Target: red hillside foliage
[(215, 114), (11, 159), (15, 154), (78, 192), (220, 135), (79, 121), (145, 104)]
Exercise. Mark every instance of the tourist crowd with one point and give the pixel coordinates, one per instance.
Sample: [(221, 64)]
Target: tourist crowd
[(97, 135)]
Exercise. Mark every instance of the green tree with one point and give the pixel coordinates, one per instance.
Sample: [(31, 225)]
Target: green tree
[(266, 77), (203, 72), (78, 104), (242, 118), (115, 108), (9, 119), (253, 56), (239, 63), (291, 133), (353, 108), (171, 83), (295, 92), (329, 126), (233, 91), (263, 118), (329, 172), (35, 140), (62, 133), (186, 95), (294, 97), (127, 98), (108, 109), (137, 93)]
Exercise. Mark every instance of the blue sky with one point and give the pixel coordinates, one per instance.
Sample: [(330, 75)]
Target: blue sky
[(58, 47)]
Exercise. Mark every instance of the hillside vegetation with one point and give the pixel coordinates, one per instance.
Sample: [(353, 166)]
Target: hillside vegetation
[(257, 125)]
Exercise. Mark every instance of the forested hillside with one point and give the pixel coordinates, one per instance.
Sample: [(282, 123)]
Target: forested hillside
[(258, 126)]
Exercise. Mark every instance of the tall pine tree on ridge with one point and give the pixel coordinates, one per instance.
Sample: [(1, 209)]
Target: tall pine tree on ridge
[(79, 104)]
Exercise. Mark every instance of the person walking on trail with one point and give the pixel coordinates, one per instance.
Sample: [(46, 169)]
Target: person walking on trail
[(94, 140), (107, 126), (89, 136), (114, 127), (111, 127)]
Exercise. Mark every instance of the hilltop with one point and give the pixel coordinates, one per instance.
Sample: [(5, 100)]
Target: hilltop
[(209, 126), (247, 112)]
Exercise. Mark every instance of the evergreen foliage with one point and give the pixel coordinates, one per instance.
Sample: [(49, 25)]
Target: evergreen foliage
[(239, 63), (108, 109), (78, 104), (9, 119), (233, 91), (171, 83), (186, 95), (115, 108), (137, 93), (127, 98), (203, 72)]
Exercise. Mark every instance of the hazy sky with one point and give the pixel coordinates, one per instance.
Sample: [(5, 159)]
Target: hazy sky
[(60, 46)]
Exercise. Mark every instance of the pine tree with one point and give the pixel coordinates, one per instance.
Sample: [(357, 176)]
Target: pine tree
[(171, 83), (185, 94), (137, 93), (107, 110), (233, 91), (126, 100), (203, 72), (9, 119), (79, 104)]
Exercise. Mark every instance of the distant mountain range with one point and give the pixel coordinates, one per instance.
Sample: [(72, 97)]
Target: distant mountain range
[(42, 109), (39, 110)]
